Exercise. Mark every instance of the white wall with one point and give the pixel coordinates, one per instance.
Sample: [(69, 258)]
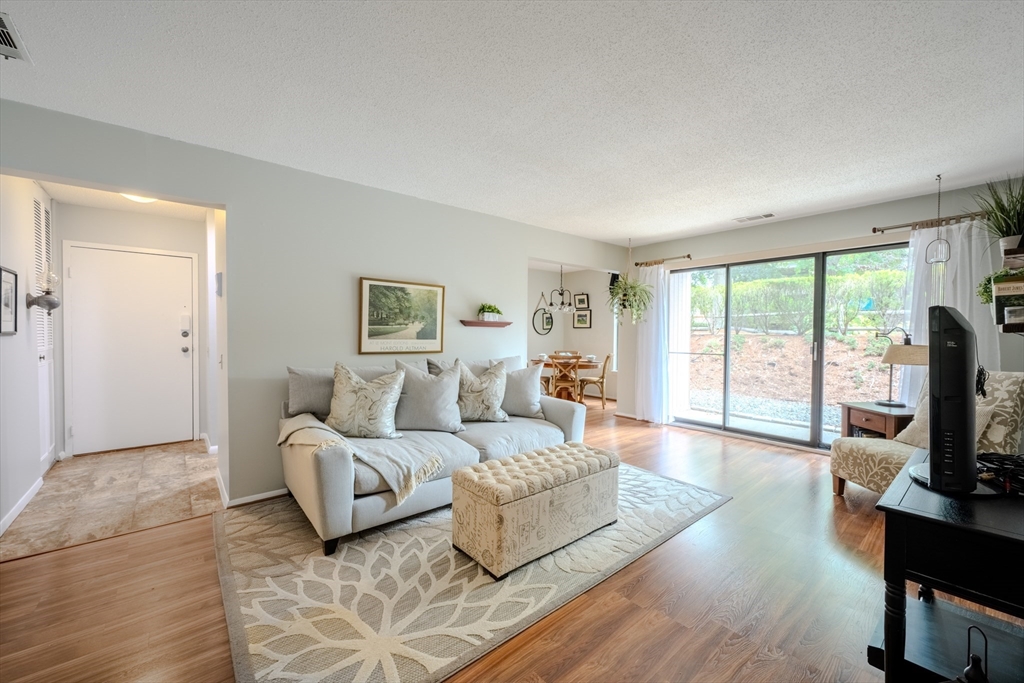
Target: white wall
[(837, 230), (600, 338), (296, 245), (543, 281), (20, 472), (129, 229)]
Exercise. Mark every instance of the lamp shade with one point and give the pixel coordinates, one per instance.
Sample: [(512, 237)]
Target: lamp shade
[(906, 354)]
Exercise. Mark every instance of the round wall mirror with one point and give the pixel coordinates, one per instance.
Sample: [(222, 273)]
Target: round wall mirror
[(543, 321)]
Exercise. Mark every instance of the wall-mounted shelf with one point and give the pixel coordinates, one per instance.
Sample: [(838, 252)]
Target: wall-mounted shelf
[(486, 323)]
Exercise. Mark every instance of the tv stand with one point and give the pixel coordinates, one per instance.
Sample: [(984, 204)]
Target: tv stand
[(969, 547)]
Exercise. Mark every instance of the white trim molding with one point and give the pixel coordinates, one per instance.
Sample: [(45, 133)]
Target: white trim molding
[(210, 449), (223, 491), (256, 498), (25, 500)]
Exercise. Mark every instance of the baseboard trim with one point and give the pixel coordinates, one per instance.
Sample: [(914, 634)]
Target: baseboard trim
[(223, 489), (626, 415), (256, 498), (16, 510), (210, 448)]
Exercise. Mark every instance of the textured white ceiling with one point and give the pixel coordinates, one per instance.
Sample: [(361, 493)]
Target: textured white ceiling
[(605, 119), (101, 199)]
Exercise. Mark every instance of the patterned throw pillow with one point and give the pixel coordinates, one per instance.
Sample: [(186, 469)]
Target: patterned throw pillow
[(365, 409), (480, 397), (1006, 395), (917, 432)]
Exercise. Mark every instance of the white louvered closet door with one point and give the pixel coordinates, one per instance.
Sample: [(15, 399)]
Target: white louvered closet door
[(43, 324)]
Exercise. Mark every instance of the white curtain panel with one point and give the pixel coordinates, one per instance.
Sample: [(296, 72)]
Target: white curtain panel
[(972, 256), (652, 350)]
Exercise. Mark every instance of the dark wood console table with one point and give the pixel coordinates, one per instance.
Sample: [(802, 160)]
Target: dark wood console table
[(969, 547)]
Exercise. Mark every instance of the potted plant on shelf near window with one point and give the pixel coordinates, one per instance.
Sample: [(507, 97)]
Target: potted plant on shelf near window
[(1003, 204), (488, 313)]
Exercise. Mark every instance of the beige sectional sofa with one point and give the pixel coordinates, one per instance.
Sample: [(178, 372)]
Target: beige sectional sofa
[(342, 495)]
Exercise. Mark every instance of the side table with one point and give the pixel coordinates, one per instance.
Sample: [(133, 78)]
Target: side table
[(872, 417)]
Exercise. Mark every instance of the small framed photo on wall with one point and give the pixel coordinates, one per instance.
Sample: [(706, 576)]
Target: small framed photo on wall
[(581, 301), (581, 320), (8, 301)]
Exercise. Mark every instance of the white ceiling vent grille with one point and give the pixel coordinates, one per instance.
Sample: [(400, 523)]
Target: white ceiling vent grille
[(11, 45), (747, 219)]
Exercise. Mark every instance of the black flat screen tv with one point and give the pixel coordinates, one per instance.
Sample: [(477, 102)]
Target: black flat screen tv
[(952, 372)]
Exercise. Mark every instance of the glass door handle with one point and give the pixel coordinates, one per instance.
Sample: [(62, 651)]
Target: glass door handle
[(814, 352)]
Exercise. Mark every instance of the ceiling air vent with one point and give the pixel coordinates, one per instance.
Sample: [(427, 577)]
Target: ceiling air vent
[(761, 217), (11, 45)]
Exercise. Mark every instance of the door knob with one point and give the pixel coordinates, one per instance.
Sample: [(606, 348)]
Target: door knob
[(184, 349)]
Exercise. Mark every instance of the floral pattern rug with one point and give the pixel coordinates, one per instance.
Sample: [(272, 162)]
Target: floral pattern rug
[(399, 603)]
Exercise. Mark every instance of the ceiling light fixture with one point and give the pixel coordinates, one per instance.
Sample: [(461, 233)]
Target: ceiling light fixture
[(564, 304), (137, 198)]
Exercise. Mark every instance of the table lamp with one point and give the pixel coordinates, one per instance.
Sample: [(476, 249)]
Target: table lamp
[(901, 354)]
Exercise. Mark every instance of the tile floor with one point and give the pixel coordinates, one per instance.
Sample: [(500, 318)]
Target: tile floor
[(89, 497)]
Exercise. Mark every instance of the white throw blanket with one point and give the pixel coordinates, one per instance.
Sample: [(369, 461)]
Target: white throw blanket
[(402, 465)]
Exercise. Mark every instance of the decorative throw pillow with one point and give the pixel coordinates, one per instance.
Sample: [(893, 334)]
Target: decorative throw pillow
[(480, 397), (522, 392), (429, 402), (365, 409), (1006, 395), (916, 433), (478, 367), (310, 390)]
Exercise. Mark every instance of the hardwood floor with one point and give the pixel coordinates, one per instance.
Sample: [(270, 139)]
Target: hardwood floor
[(783, 583)]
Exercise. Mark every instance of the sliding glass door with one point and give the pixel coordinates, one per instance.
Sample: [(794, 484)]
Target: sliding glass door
[(771, 342), (771, 348)]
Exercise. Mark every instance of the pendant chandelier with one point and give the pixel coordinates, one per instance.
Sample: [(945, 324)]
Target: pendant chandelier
[(563, 303)]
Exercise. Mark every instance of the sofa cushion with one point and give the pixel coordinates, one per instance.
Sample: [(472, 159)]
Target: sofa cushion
[(365, 409), (455, 453), (518, 435), (428, 402), (478, 367), (480, 397), (522, 392), (871, 463), (310, 389)]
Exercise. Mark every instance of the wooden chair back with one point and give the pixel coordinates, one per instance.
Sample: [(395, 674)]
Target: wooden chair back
[(565, 371)]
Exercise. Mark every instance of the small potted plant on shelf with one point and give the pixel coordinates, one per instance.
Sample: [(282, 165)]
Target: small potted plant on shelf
[(1003, 204), (488, 313), (1007, 276)]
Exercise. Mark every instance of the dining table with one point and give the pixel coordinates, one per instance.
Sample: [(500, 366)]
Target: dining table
[(584, 364)]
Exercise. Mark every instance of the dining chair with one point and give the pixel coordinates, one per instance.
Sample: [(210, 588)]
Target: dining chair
[(598, 381), (566, 352), (565, 375)]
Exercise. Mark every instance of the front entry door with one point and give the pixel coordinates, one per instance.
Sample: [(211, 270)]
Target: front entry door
[(132, 370)]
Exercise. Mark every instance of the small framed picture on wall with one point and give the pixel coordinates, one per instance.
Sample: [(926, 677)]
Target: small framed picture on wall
[(581, 300), (8, 301), (581, 320)]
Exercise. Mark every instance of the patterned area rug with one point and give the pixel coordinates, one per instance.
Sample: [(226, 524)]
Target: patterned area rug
[(398, 603)]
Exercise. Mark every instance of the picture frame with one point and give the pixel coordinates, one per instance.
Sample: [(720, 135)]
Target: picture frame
[(581, 300), (400, 317), (548, 321), (581, 320), (8, 301)]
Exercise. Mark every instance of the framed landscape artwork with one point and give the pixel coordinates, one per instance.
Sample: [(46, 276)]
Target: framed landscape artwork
[(581, 301), (581, 320), (8, 301), (400, 317)]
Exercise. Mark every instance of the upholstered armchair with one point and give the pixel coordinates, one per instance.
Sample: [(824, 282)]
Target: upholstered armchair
[(874, 463)]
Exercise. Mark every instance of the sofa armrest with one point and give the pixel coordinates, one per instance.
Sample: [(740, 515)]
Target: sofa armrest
[(322, 480), (568, 415)]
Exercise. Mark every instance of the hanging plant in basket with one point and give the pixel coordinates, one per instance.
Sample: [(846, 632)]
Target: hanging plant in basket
[(629, 294)]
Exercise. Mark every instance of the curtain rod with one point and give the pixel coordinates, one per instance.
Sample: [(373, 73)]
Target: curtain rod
[(658, 262), (933, 222)]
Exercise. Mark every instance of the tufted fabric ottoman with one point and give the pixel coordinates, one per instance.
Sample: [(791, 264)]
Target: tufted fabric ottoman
[(508, 512)]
